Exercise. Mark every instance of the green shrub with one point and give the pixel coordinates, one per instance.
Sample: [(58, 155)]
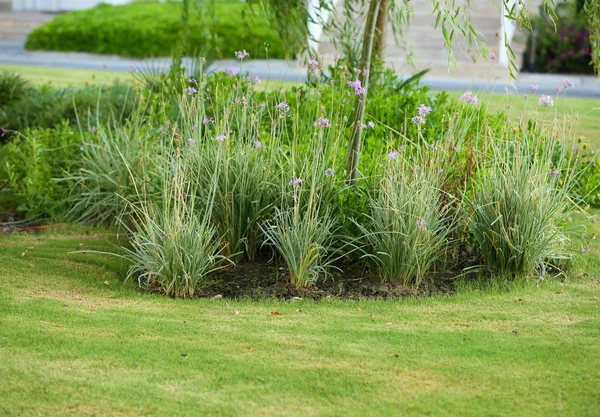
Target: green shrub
[(46, 107), (153, 30), (34, 161), (562, 46)]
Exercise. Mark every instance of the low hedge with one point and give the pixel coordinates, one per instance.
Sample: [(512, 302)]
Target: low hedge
[(153, 30)]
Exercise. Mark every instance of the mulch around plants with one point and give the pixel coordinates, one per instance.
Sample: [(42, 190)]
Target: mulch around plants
[(258, 280)]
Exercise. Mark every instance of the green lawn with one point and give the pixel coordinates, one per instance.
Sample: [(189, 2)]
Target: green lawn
[(65, 77), (582, 115), (75, 340)]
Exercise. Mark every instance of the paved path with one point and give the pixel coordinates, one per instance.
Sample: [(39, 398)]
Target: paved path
[(12, 52)]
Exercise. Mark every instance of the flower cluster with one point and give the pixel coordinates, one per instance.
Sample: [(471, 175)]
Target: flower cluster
[(241, 54), (421, 224), (191, 142), (329, 172), (567, 83), (295, 181), (369, 125), (284, 107), (469, 98), (423, 111), (533, 88), (230, 72), (392, 156), (258, 144), (313, 67), (191, 91), (545, 100), (322, 122), (206, 121), (358, 88), (253, 79), (221, 138)]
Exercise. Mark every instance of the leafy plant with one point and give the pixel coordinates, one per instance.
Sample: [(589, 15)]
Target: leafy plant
[(408, 223), (518, 204), (153, 30)]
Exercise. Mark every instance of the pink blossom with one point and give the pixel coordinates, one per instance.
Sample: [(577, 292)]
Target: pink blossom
[(424, 110), (545, 100), (392, 156), (533, 88), (469, 98), (241, 54), (322, 122), (358, 88)]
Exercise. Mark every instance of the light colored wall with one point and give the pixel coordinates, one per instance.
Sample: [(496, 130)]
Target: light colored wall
[(58, 5)]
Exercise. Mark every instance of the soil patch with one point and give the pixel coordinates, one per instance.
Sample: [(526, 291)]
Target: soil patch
[(256, 280)]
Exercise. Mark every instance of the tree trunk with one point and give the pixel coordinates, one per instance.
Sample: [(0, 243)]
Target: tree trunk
[(361, 101), (380, 35)]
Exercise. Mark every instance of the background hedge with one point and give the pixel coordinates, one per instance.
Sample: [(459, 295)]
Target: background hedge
[(153, 30)]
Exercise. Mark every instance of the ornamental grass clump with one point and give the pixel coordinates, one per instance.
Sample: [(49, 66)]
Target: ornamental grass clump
[(408, 224), (519, 203), (174, 245)]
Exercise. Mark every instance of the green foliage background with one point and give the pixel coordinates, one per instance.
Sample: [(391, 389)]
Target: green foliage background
[(153, 29)]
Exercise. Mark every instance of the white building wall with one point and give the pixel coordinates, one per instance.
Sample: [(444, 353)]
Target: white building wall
[(59, 5)]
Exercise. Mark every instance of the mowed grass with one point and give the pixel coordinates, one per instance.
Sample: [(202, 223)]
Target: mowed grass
[(67, 77), (580, 116), (75, 340)]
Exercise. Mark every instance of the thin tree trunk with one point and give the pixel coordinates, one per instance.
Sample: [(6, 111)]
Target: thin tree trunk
[(361, 101), (380, 34)]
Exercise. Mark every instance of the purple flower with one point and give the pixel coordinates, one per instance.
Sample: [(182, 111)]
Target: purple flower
[(191, 142), (284, 107), (295, 181), (392, 156), (230, 72), (258, 144), (313, 66), (191, 91), (206, 121), (545, 100), (133, 69), (241, 54), (253, 79), (421, 224), (91, 129), (4, 132), (567, 83), (363, 126), (554, 173), (469, 98), (492, 55), (358, 88), (424, 110), (221, 138), (418, 120), (329, 172), (371, 125), (322, 122), (533, 88), (83, 145), (193, 81)]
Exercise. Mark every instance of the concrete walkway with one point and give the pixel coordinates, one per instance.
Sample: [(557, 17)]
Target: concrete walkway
[(13, 52)]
